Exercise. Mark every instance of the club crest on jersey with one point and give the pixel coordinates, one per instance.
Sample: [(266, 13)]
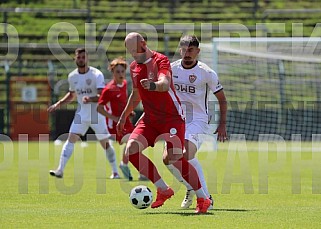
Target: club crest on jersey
[(88, 81), (192, 78)]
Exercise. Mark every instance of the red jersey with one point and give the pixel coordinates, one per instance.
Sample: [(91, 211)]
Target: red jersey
[(114, 98), (158, 106)]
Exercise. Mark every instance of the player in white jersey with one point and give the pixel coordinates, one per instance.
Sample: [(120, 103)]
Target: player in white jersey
[(86, 83), (193, 80)]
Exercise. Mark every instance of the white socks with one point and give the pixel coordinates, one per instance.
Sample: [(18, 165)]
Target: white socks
[(68, 149), (178, 176), (66, 153), (161, 184), (200, 173), (111, 157), (201, 194)]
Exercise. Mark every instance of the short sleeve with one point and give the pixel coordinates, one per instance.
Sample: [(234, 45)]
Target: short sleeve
[(71, 83), (213, 82), (100, 80), (164, 66), (104, 97)]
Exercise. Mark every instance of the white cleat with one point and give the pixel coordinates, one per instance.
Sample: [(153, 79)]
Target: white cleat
[(114, 176), (211, 207), (56, 173), (188, 200)]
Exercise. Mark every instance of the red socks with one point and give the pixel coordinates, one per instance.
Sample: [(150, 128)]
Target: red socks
[(145, 166), (148, 169), (188, 172)]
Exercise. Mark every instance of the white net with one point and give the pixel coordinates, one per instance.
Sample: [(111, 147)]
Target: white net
[(273, 85)]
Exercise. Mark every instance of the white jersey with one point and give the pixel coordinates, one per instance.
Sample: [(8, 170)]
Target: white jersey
[(86, 85), (192, 87)]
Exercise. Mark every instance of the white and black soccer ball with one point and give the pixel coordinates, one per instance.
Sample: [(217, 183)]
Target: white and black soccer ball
[(141, 197)]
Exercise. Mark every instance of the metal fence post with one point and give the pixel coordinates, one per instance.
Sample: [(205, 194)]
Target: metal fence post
[(7, 113)]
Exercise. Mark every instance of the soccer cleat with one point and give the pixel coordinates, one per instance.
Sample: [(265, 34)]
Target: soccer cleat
[(188, 200), (124, 168), (142, 178), (162, 196), (56, 173), (114, 176), (202, 205), (211, 207)]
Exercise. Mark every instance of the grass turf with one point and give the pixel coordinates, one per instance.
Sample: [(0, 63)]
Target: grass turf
[(86, 198)]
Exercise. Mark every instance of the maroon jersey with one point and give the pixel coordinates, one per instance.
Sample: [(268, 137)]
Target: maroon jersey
[(114, 98), (159, 107)]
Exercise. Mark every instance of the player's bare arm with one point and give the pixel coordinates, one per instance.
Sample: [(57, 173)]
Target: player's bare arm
[(132, 103), (101, 110), (94, 99), (161, 85), (69, 97), (221, 129)]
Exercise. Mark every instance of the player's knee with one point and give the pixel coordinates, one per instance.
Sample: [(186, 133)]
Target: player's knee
[(73, 137), (132, 147), (173, 155), (189, 155), (165, 159)]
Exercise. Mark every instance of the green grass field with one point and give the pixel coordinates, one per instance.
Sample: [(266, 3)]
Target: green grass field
[(252, 189)]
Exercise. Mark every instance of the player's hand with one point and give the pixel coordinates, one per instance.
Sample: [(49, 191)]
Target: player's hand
[(145, 83), (120, 125), (221, 133), (53, 107), (86, 99)]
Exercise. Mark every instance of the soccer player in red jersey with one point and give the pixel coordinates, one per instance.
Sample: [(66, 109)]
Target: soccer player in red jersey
[(163, 119), (112, 102)]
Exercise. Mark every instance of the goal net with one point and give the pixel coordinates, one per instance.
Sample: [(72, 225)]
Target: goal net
[(273, 85)]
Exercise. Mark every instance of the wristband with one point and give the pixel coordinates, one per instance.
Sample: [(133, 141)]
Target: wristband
[(152, 86)]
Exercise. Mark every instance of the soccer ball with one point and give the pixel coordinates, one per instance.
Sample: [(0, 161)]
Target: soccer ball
[(141, 197)]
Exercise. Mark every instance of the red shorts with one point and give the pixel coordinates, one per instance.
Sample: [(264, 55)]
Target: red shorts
[(147, 132), (128, 129)]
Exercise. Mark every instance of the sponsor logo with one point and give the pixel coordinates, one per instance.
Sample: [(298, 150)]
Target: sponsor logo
[(84, 91), (172, 132), (195, 137), (185, 88)]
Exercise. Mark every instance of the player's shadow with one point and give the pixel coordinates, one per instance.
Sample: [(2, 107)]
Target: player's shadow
[(178, 213), (234, 210), (190, 212)]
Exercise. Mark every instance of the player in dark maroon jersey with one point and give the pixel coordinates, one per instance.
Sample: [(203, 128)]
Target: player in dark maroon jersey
[(163, 120)]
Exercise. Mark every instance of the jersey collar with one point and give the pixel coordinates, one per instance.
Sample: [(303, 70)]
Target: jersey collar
[(189, 67)]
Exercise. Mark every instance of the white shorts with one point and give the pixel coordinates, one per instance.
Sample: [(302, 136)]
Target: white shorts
[(197, 131), (99, 127)]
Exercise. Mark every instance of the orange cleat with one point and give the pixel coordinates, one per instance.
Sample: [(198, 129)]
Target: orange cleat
[(202, 205), (162, 196)]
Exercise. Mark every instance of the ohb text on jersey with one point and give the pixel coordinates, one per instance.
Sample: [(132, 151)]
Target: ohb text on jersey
[(84, 91), (185, 88)]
